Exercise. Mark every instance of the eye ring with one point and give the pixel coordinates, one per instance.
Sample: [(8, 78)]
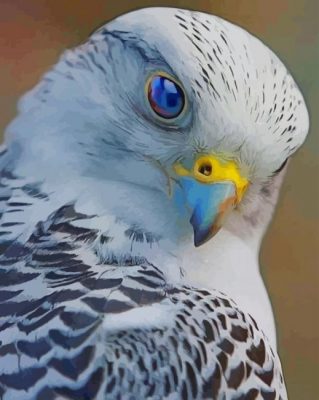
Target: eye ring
[(165, 96)]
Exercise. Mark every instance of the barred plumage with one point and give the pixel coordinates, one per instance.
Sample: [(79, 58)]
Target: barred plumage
[(102, 293), (59, 336)]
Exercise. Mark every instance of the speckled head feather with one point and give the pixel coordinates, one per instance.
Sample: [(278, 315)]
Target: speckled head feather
[(98, 278), (242, 96), (242, 100)]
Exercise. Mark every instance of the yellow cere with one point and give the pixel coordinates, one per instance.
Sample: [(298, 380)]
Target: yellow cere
[(209, 169)]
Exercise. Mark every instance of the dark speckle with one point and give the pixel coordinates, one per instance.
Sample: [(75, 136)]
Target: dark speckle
[(226, 346), (24, 379), (105, 239), (222, 319), (268, 395), (209, 333), (73, 367), (266, 376), (34, 349), (88, 391), (77, 320), (212, 385), (183, 26), (239, 333), (223, 360), (180, 18), (257, 353), (250, 395), (236, 376)]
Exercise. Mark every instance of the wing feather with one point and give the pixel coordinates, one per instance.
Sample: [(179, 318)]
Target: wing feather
[(73, 328)]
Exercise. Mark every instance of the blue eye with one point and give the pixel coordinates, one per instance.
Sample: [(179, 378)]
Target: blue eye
[(165, 96)]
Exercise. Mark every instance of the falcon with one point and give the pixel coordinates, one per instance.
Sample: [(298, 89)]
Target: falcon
[(137, 181)]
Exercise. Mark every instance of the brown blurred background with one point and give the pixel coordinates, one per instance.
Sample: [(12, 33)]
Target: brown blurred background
[(34, 32)]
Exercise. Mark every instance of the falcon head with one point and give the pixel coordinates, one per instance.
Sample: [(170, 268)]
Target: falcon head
[(195, 115)]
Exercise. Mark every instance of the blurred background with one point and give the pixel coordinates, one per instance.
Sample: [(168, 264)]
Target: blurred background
[(34, 32)]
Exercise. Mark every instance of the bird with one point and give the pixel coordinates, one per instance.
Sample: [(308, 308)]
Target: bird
[(136, 184)]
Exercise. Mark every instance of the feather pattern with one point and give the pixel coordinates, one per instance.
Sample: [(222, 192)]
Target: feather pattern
[(100, 285), (73, 328)]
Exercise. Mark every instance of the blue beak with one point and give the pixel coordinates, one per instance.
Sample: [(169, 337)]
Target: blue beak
[(207, 205)]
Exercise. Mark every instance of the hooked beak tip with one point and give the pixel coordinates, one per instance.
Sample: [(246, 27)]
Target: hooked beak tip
[(208, 192), (207, 223), (201, 236)]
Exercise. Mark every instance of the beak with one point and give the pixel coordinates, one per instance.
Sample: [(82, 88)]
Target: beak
[(208, 192)]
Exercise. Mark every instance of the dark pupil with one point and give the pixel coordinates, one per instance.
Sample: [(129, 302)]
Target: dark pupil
[(205, 169), (165, 97)]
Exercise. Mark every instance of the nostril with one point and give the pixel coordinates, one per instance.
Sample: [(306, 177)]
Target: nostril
[(205, 169)]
